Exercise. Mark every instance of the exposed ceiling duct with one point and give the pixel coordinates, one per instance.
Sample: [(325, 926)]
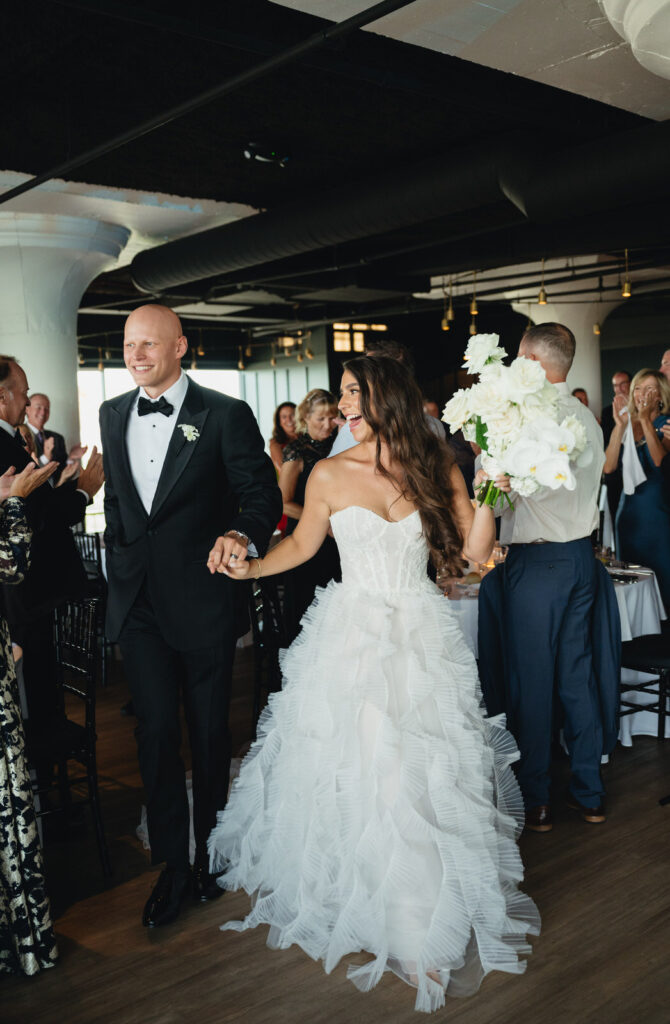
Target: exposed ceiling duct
[(547, 187)]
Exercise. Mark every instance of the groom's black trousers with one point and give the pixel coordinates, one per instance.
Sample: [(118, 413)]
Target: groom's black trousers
[(157, 674)]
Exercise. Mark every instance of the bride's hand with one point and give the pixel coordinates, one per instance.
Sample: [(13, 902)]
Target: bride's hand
[(501, 482)]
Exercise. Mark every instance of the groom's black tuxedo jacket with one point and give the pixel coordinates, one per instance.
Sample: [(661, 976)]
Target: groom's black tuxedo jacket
[(222, 480), (56, 570)]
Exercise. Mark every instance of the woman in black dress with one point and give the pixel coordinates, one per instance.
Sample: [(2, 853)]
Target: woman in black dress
[(27, 942), (314, 425)]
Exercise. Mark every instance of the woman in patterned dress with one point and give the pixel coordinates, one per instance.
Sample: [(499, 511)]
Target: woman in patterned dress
[(27, 942)]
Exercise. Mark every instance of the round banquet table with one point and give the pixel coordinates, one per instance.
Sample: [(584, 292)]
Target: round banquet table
[(641, 612)]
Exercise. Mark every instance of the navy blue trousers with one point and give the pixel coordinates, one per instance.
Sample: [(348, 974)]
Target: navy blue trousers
[(549, 592)]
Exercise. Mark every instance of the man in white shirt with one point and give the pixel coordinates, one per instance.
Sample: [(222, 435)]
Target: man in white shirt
[(550, 583)]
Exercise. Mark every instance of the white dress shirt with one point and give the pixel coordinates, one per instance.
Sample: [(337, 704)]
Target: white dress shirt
[(8, 428), (560, 515), (148, 437)]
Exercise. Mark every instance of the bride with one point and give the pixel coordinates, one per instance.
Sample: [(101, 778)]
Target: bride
[(377, 810)]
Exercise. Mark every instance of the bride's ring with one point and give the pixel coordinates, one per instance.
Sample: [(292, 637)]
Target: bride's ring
[(234, 557)]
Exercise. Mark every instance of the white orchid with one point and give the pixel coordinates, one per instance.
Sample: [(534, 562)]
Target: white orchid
[(190, 432), (555, 472), (523, 457), (482, 349)]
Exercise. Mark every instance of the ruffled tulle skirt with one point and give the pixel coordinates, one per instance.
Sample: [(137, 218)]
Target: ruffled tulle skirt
[(377, 810)]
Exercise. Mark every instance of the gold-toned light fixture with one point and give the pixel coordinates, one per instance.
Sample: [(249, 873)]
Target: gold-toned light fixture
[(596, 328), (101, 365), (81, 360), (473, 326), (240, 360), (273, 357), (542, 297), (248, 352), (626, 288), (308, 353), (448, 308), (299, 357), (473, 304), (108, 354), (194, 362), (201, 348)]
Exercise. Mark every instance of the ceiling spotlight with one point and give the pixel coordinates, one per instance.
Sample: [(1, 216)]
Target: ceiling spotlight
[(596, 328), (101, 365), (240, 360), (265, 154), (299, 357), (309, 353), (200, 349), (473, 326), (247, 352), (194, 362), (108, 354), (81, 360)]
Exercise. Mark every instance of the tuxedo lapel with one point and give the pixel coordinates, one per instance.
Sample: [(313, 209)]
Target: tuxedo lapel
[(192, 414), (118, 427)]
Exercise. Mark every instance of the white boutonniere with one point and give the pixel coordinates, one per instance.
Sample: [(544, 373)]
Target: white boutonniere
[(190, 432)]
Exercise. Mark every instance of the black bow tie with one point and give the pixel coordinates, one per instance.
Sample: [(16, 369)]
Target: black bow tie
[(145, 406)]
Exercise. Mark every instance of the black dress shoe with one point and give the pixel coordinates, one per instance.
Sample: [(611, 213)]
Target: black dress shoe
[(204, 885), (538, 819), (164, 904)]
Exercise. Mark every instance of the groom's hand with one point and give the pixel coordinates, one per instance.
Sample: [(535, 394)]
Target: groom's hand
[(230, 548)]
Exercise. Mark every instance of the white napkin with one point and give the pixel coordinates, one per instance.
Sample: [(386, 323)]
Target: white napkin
[(633, 473)]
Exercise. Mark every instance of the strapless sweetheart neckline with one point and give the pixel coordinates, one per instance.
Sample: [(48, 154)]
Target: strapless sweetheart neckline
[(391, 522)]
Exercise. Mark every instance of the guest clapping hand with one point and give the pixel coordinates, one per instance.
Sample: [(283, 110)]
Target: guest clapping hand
[(20, 485)]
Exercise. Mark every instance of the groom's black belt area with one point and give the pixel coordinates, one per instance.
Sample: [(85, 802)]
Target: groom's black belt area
[(532, 543)]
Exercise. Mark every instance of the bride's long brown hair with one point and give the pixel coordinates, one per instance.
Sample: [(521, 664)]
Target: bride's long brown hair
[(391, 402)]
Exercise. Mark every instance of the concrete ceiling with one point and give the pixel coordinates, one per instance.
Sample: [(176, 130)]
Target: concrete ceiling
[(569, 44)]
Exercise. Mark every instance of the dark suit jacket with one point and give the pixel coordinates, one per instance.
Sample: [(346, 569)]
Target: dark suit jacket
[(59, 453), (56, 571), (607, 423), (222, 480)]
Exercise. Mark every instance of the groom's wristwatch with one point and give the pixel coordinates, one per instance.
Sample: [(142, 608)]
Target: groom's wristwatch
[(238, 535)]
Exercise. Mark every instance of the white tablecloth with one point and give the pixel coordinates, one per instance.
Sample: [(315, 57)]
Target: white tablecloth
[(641, 611)]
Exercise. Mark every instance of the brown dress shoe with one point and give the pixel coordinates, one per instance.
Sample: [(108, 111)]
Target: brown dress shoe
[(538, 819), (594, 815)]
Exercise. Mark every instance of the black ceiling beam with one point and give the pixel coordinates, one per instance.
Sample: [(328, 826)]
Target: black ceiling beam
[(273, 63)]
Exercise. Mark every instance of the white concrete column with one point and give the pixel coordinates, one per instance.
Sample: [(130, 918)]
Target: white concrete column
[(46, 263), (580, 318)]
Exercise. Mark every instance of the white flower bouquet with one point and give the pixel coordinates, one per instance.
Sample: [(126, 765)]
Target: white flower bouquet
[(512, 414)]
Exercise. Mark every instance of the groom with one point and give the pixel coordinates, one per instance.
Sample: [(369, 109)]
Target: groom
[(182, 464)]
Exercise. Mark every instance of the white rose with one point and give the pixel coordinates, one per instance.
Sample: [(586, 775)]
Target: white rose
[(555, 472), (482, 349), (488, 401), (507, 423), (526, 377), (458, 410)]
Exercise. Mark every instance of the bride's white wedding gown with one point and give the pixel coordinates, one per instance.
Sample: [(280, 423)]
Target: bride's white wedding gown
[(377, 811)]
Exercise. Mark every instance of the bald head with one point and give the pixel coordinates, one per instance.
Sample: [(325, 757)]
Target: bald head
[(153, 347)]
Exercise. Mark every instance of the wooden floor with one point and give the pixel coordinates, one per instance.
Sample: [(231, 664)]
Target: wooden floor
[(603, 891)]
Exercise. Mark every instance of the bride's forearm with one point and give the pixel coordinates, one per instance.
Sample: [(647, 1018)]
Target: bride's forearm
[(286, 555), (482, 535)]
